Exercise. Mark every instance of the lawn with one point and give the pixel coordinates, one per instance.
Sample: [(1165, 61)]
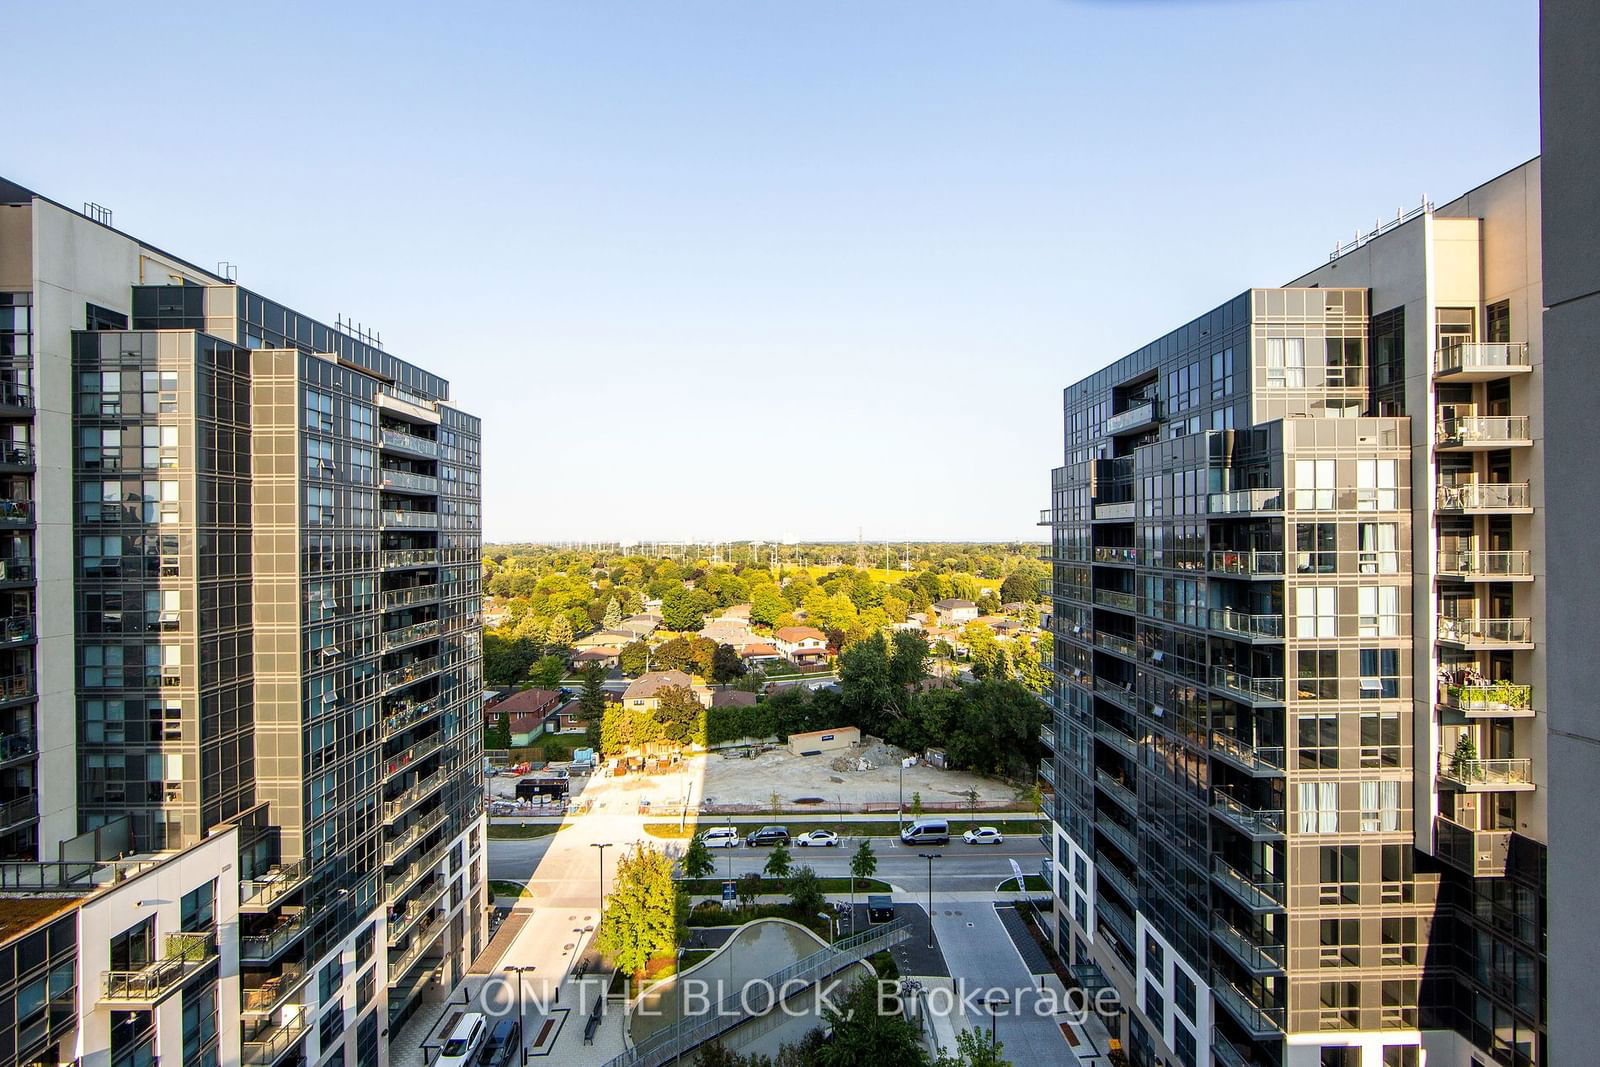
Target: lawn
[(516, 831), (501, 888), (737, 916), (1031, 883)]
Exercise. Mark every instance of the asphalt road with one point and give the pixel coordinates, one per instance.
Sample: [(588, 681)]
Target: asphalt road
[(961, 868)]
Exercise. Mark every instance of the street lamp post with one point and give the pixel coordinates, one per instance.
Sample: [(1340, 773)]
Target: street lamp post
[(602, 846), (930, 857), (993, 1003), (522, 1023), (899, 811)]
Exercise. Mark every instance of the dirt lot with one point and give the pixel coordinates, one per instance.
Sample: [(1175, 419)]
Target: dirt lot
[(753, 781)]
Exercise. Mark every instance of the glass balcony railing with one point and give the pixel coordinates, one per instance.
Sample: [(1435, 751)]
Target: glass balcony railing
[(16, 395), (1116, 509), (1488, 698), (1112, 598), (17, 686), (1480, 853), (17, 811), (1252, 952), (1264, 627), (414, 671), (1255, 1019), (397, 846), (1111, 554), (395, 807), (1120, 836), (1121, 695), (1116, 643), (271, 1044), (273, 885), (1135, 417), (1493, 359), (16, 569), (401, 558), (1118, 788), (1487, 774), (1485, 566), (406, 714), (1252, 689), (1226, 1053), (1255, 821), (274, 991), (1485, 633), (413, 755), (1244, 501), (1119, 879), (183, 955), (1257, 757), (1484, 497), (1248, 564), (1107, 914), (17, 746), (406, 442), (406, 481), (390, 599), (1482, 431), (410, 635), (264, 946), (1256, 890), (408, 520), (16, 629), (1117, 739)]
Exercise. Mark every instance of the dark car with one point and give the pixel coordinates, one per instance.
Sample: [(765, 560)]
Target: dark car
[(767, 835), (505, 1041)]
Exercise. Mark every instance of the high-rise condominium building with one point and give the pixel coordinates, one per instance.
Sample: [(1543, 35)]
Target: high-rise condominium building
[(1297, 785), (240, 669)]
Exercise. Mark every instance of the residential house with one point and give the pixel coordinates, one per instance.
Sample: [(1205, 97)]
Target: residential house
[(644, 693), (640, 626), (523, 703), (605, 656), (802, 645), (732, 698), (735, 632), (759, 652), (735, 613), (954, 612), (603, 639)]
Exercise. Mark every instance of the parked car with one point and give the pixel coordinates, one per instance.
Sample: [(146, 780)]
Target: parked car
[(817, 838), (767, 835), (503, 1046), (461, 1048), (926, 832), (983, 835), (720, 837)]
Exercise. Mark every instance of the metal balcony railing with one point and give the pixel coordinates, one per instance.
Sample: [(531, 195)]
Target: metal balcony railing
[(270, 1045), (1267, 627), (1256, 890), (19, 810), (1483, 496), (390, 599), (1117, 739), (399, 439), (396, 847), (16, 629), (1489, 698), (1248, 564), (394, 888), (1119, 790), (1486, 773), (1481, 431), (16, 395), (413, 755), (18, 745), (260, 947), (1256, 757), (1266, 690), (1119, 879), (16, 569), (393, 518), (1120, 836), (16, 511), (17, 453), (275, 884), (422, 787), (1485, 565), (1112, 598), (1114, 554), (274, 991), (399, 558), (1116, 643), (182, 955), (1480, 357), (1255, 821), (406, 481)]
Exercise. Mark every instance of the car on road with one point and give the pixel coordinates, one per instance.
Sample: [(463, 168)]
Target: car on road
[(461, 1048), (720, 837), (768, 835), (983, 835), (817, 839), (504, 1044)]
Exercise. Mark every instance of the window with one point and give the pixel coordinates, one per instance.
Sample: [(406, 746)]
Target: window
[(1316, 613), (1378, 611), (159, 447), (1401, 1055), (1341, 943), (1317, 679), (331, 1026), (1155, 1007), (1222, 374), (328, 980), (1183, 992), (1396, 874), (1314, 484), (1380, 806), (1376, 485), (361, 423), (200, 1025), (364, 944), (1380, 675), (1497, 323), (1341, 874), (1318, 737), (1344, 362), (1183, 1044), (197, 909), (319, 458), (1319, 807), (1286, 362), (319, 504), (1399, 941), (319, 411), (1314, 548), (1380, 739), (1222, 418), (1378, 547), (1341, 1009), (1399, 1003)]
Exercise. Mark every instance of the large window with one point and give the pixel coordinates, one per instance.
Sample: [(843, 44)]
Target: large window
[(1319, 807), (1316, 611), (1286, 362), (1378, 611), (1380, 806), (1318, 741), (1380, 673), (1222, 374), (1314, 544), (1376, 485), (1316, 675), (197, 911), (1314, 485), (1378, 547)]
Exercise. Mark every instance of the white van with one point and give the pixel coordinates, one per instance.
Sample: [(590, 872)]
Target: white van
[(720, 837), (461, 1048), (926, 832)]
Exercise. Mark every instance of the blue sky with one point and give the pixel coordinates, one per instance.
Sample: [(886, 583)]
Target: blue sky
[(762, 269)]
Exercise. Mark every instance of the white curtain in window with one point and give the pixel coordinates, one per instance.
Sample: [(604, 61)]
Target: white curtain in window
[(1319, 807)]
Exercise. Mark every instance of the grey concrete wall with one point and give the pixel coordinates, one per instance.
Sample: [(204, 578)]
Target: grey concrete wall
[(1570, 89)]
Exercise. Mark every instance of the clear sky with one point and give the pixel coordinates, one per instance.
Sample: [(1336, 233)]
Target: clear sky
[(765, 268)]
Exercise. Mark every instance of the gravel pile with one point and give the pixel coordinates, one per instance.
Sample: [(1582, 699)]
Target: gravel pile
[(868, 757)]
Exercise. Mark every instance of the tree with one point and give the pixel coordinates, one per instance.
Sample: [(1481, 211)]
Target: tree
[(766, 604), (548, 672), (908, 658), (592, 701), (682, 718), (673, 655), (863, 1034), (864, 864), (726, 665), (697, 861), (613, 616), (643, 911), (506, 659), (747, 888), (682, 611), (973, 1049), (916, 803), (778, 861), (1022, 584), (559, 633), (633, 657), (867, 688), (805, 891)]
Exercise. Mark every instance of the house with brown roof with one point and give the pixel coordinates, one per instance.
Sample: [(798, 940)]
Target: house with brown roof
[(644, 692), (605, 656), (801, 645), (735, 632), (735, 613), (757, 651), (642, 625), (732, 698), (522, 704)]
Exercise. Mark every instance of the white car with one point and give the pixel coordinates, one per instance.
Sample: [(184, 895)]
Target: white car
[(819, 838), (983, 835), (720, 837)]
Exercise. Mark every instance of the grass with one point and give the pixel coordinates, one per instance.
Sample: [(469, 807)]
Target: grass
[(520, 831), (693, 956), (738, 916), (1031, 883), (875, 828), (698, 887), (884, 964), (503, 888)]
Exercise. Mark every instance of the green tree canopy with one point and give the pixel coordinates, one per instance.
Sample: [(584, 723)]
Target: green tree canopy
[(778, 861), (697, 861), (644, 911)]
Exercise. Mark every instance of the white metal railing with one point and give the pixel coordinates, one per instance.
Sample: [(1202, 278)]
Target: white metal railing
[(1478, 631), (1507, 564), (1460, 430)]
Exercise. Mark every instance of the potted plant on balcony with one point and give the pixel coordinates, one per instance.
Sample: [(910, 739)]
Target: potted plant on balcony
[(1464, 758)]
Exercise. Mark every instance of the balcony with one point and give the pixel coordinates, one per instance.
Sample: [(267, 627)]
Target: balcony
[(398, 519), (1127, 557), (1113, 598), (17, 455), (1251, 627), (15, 512), (16, 396), (267, 1046), (1046, 517), (1118, 835), (1481, 362), (406, 482), (1047, 773), (413, 755), (1245, 502), (14, 813), (1481, 433), (1257, 760), (1484, 498), (1497, 700), (1117, 739), (1116, 510), (400, 441), (1487, 775), (404, 558), (415, 671), (1258, 823), (1250, 689), (1248, 564), (16, 569), (398, 846), (1485, 566), (261, 894), (422, 937), (1259, 959), (390, 599), (394, 888), (1110, 916), (1479, 853), (1122, 646), (21, 745), (1121, 791), (405, 715), (1120, 695), (274, 991), (1138, 416), (16, 630), (410, 635), (1476, 633), (1120, 880), (183, 955), (1225, 1053), (268, 946), (1256, 1021), (1255, 892), (395, 807)]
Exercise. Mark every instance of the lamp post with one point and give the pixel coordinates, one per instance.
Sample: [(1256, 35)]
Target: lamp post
[(993, 1003), (602, 846), (899, 811), (930, 857), (522, 1042)]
